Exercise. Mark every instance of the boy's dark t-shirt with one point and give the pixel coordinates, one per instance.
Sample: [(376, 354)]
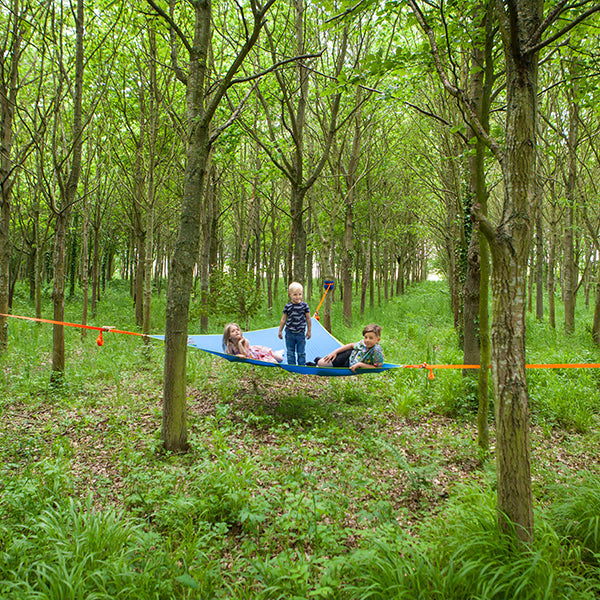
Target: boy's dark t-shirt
[(296, 316)]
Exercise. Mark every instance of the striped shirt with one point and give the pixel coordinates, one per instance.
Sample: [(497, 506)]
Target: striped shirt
[(296, 316)]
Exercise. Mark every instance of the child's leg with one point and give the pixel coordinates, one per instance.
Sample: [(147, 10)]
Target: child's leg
[(342, 359), (290, 348), (301, 348)]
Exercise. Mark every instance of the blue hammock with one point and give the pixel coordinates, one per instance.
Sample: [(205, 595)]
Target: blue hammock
[(321, 343)]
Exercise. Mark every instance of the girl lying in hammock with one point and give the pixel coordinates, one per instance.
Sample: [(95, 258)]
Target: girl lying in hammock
[(235, 343)]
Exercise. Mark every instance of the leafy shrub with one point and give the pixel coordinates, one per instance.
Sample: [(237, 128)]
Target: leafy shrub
[(462, 554), (576, 514), (71, 551)]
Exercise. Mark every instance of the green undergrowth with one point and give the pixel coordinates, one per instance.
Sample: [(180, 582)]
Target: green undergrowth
[(367, 487)]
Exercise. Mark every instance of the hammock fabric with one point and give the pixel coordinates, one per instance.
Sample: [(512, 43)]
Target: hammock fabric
[(321, 343)]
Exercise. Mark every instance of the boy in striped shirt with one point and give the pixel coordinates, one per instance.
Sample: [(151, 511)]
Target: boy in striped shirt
[(296, 320)]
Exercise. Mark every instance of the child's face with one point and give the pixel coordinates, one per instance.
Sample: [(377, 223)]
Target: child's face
[(235, 333), (296, 296), (370, 339)]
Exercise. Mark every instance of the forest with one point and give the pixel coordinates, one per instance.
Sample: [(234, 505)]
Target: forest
[(170, 167)]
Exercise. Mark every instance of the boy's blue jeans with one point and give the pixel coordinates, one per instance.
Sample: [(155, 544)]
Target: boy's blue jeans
[(295, 345)]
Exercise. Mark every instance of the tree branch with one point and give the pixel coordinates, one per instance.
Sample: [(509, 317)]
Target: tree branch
[(453, 90), (536, 47), (161, 13)]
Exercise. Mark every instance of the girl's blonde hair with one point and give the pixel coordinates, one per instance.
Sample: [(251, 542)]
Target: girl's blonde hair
[(229, 346), (295, 287)]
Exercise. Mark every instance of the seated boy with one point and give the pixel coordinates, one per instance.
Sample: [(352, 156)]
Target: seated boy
[(366, 354)]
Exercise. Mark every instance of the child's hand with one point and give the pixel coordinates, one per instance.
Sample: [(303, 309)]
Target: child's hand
[(280, 335), (308, 335)]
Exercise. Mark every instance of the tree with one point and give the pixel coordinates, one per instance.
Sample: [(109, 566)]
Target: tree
[(68, 180), (299, 167), (16, 21), (522, 25), (202, 101)]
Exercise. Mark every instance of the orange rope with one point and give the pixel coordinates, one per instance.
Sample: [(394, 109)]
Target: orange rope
[(99, 340), (316, 315), (532, 366)]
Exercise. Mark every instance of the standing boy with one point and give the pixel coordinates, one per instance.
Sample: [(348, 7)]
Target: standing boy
[(296, 320)]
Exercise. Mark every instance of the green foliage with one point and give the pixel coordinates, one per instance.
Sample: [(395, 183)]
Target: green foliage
[(54, 546), (234, 296), (463, 555), (576, 514)]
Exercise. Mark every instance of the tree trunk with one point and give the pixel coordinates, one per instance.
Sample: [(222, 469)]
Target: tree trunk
[(570, 268), (58, 295), (551, 263), (174, 423), (85, 265), (347, 259), (200, 112), (95, 268), (471, 288), (596, 321), (510, 245), (208, 222), (539, 259), (68, 195), (150, 187), (9, 67)]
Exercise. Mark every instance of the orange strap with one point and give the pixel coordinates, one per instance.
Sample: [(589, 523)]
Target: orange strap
[(99, 339), (533, 366), (316, 315)]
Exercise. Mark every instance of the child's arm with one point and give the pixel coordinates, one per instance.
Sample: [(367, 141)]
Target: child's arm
[(282, 325), (362, 365), (308, 326), (332, 355), (377, 361), (243, 348)]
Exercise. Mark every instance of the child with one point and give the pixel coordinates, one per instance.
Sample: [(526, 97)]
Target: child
[(366, 354), (235, 343), (296, 320)]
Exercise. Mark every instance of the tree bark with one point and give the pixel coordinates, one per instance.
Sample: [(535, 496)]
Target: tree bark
[(570, 267), (68, 193), (596, 320), (201, 108), (9, 70)]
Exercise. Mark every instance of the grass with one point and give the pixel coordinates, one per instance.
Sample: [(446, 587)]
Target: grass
[(294, 487)]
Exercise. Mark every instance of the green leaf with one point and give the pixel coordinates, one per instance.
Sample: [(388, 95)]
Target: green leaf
[(188, 581)]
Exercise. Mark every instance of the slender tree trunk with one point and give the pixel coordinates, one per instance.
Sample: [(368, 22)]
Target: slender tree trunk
[(85, 265), (9, 67), (58, 295), (570, 268), (68, 195), (95, 267), (596, 320), (551, 264), (471, 290), (208, 222), (150, 187), (539, 259), (174, 420), (200, 112), (347, 259)]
